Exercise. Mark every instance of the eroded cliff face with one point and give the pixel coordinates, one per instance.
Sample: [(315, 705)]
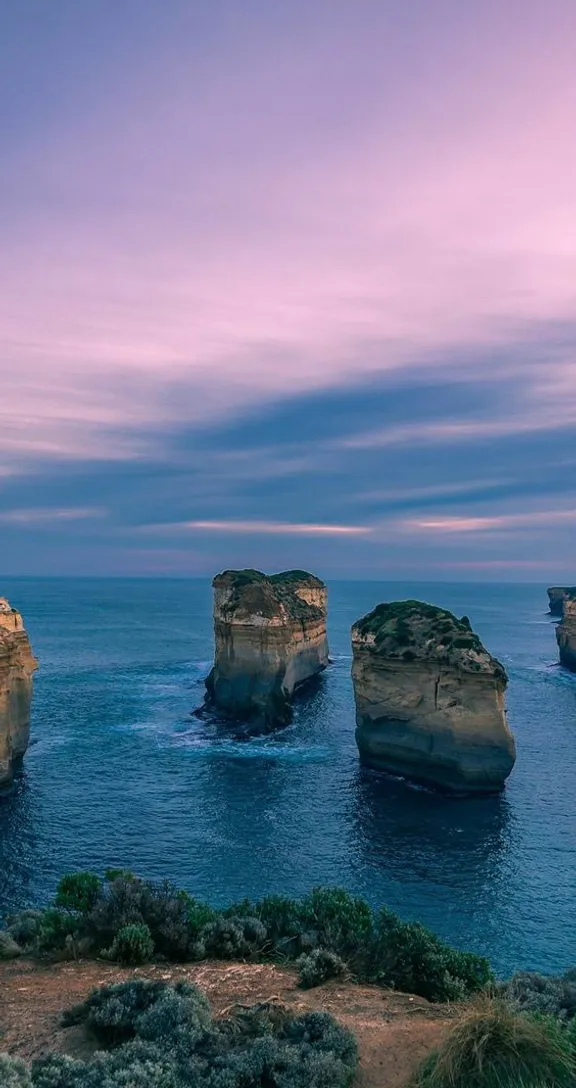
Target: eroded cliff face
[(556, 596), (566, 632), (430, 699), (17, 666), (270, 637)]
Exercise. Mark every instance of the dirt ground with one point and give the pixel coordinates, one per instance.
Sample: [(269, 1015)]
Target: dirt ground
[(394, 1031)]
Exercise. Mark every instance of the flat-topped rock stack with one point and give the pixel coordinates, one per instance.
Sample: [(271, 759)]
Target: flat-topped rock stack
[(17, 666), (566, 631), (270, 637), (430, 699), (556, 596)]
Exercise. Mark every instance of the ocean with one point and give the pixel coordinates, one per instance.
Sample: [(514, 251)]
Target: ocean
[(120, 774)]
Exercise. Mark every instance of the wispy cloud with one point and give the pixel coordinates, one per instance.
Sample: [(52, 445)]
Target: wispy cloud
[(49, 515), (274, 528)]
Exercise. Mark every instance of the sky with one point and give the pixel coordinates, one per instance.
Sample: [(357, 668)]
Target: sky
[(288, 284)]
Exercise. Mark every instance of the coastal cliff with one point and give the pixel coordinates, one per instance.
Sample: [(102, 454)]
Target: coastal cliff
[(566, 631), (556, 596), (17, 666), (270, 637), (430, 699)]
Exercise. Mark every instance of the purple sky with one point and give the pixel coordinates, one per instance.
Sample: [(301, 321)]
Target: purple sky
[(288, 284)]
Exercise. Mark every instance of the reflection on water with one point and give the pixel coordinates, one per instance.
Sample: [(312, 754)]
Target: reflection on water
[(122, 774)]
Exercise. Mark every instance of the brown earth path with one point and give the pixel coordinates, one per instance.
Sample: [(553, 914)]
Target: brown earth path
[(394, 1031)]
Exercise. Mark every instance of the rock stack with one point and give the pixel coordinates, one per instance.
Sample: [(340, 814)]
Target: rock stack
[(566, 631), (556, 597), (17, 665), (270, 637), (430, 699)]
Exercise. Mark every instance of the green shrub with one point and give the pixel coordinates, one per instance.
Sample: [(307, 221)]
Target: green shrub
[(24, 927), (127, 900), (13, 1073), (132, 945), (78, 891), (231, 939), (164, 1038), (111, 1013), (57, 929), (409, 957), (180, 1017), (340, 921), (495, 1046), (547, 994), (319, 966)]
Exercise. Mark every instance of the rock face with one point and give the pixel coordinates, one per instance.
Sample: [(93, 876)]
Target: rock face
[(557, 596), (270, 637), (17, 665), (430, 699), (566, 632)]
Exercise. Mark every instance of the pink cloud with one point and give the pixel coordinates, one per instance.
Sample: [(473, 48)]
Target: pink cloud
[(276, 528)]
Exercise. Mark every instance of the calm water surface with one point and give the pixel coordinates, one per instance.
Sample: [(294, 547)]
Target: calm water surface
[(119, 774)]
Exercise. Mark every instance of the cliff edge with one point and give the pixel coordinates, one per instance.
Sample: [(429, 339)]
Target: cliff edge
[(17, 666), (430, 699), (270, 637), (566, 631)]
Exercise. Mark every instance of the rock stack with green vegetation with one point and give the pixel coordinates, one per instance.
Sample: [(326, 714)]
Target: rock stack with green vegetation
[(566, 631), (430, 699), (270, 638), (17, 666)]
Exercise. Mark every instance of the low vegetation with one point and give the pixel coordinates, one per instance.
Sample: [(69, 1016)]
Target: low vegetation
[(497, 1046), (327, 933), (155, 1035)]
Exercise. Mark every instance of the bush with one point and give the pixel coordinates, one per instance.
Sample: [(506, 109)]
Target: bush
[(494, 1046), (24, 927), (112, 1012), (547, 994), (78, 891), (409, 957), (341, 922), (127, 900), (170, 1041), (13, 1073), (132, 945), (231, 938), (319, 966), (58, 930)]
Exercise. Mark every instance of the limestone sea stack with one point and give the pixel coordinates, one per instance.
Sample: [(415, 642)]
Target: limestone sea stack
[(430, 699), (566, 632), (270, 637), (556, 597), (17, 666)]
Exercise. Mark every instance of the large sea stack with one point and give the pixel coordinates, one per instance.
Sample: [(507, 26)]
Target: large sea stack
[(430, 699), (17, 665), (556, 596), (270, 637), (566, 631)]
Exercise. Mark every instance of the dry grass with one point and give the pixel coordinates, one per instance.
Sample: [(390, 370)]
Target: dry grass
[(494, 1046)]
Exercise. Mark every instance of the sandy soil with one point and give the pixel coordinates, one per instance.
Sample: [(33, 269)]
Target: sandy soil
[(394, 1031)]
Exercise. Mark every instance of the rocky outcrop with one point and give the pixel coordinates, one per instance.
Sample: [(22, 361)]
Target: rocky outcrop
[(270, 637), (566, 631), (17, 665), (430, 699), (556, 596)]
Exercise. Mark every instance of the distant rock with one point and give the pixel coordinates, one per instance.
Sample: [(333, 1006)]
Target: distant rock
[(430, 699), (270, 637), (557, 596), (566, 631), (17, 666)]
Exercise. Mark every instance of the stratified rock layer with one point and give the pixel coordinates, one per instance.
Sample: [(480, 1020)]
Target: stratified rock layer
[(566, 632), (270, 637), (556, 596), (17, 665), (430, 699)]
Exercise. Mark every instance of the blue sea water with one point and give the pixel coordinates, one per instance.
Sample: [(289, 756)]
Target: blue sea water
[(120, 774)]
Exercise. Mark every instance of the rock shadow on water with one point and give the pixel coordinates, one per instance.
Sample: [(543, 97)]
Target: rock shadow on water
[(439, 838)]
